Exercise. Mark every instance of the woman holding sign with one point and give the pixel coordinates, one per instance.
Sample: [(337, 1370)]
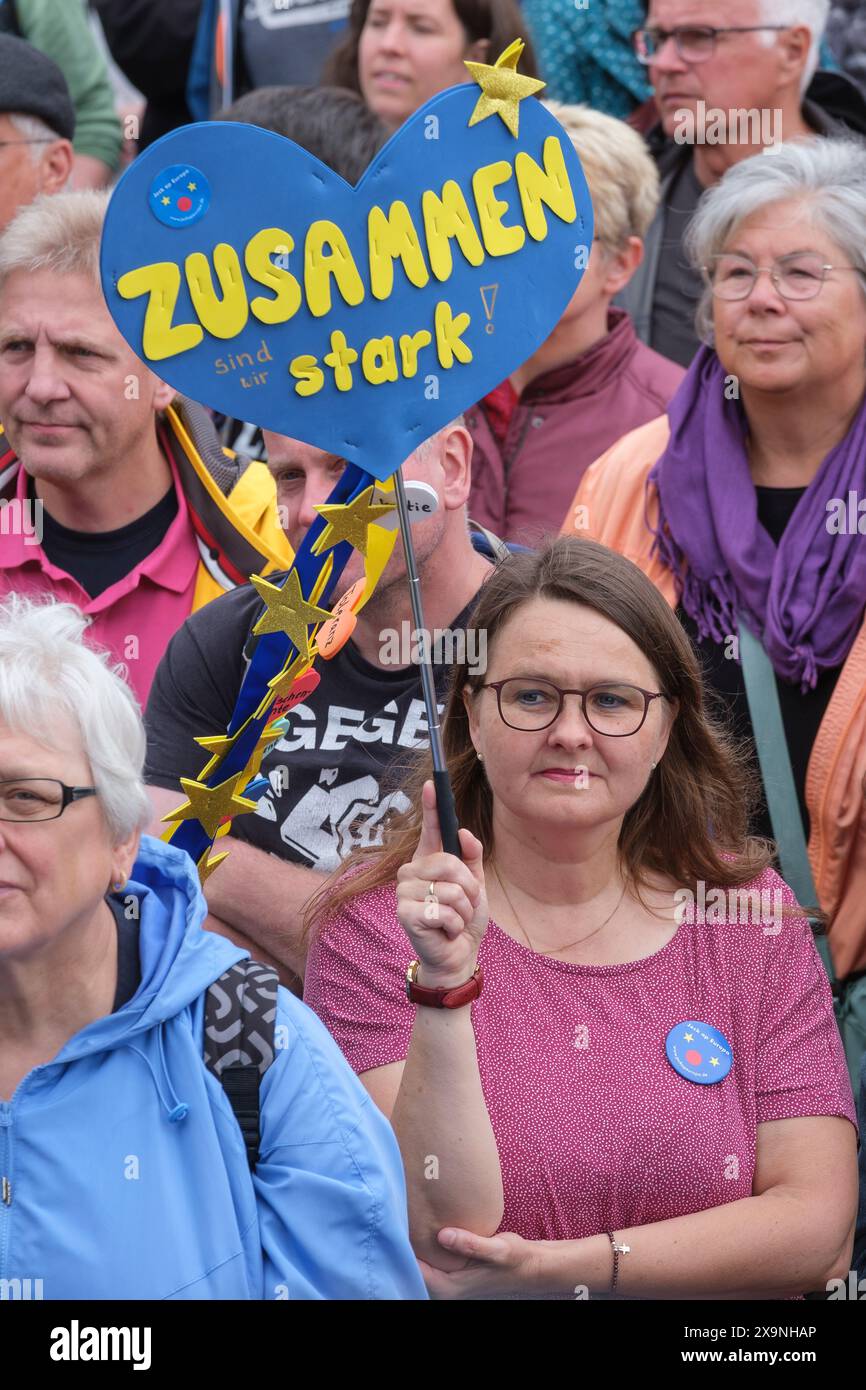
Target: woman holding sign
[(643, 1098)]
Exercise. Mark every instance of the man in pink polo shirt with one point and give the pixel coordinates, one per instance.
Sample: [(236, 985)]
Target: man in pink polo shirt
[(101, 502)]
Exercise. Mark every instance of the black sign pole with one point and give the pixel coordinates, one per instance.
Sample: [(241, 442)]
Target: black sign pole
[(441, 780)]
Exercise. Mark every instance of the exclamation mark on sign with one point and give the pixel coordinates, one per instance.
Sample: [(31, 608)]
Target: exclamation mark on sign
[(488, 299)]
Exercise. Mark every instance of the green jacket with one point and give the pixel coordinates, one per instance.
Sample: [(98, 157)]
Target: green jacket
[(61, 30)]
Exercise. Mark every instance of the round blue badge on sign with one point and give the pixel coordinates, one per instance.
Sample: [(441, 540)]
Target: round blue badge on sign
[(179, 195), (699, 1052)]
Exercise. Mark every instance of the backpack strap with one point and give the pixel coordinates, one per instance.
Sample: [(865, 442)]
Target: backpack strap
[(239, 1040), (762, 694), (498, 547)]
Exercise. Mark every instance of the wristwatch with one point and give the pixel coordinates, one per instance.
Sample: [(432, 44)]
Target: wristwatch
[(452, 998)]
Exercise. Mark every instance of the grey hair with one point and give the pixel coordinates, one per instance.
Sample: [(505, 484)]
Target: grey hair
[(427, 444), (813, 13), (828, 176), (46, 670), (60, 232), (32, 128)]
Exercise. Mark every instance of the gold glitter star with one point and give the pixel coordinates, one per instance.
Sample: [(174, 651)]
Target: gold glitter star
[(216, 744), (192, 187), (688, 1037), (714, 1061), (210, 805), (348, 521), (502, 87), (206, 866), (165, 202), (288, 611)]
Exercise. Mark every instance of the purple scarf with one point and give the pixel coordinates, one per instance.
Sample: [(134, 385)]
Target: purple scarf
[(805, 597)]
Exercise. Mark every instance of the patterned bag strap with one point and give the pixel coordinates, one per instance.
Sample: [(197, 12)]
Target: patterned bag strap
[(239, 1040)]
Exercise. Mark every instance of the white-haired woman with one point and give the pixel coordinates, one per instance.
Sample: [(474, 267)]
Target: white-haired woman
[(122, 1163), (536, 434), (745, 502)]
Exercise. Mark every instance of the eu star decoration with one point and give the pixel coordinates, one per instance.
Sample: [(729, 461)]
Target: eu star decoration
[(503, 88)]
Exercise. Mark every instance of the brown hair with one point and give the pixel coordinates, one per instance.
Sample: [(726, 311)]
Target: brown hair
[(498, 21), (691, 821)]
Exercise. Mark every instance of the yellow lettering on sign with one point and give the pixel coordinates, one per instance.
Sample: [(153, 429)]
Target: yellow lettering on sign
[(308, 374), (272, 241), (225, 317), (498, 240), (341, 358), (410, 345), (447, 216), (448, 335), (160, 338), (391, 236), (379, 361), (549, 186), (327, 254)]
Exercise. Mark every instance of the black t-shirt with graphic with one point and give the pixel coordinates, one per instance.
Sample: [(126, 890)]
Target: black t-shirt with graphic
[(335, 776)]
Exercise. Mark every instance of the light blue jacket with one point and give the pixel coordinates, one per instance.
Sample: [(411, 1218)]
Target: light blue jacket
[(125, 1167)]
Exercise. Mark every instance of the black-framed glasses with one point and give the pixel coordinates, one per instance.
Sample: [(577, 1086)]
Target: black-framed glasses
[(695, 42), (732, 275), (611, 708), (37, 140), (38, 798)]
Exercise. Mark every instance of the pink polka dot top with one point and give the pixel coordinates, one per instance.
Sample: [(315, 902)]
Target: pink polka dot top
[(596, 1130)]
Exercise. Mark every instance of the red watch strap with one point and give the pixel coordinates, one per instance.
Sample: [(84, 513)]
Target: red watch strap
[(452, 998)]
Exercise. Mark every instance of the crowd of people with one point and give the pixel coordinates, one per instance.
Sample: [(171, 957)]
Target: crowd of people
[(545, 1068)]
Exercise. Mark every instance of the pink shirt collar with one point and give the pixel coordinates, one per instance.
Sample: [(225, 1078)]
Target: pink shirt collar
[(170, 566)]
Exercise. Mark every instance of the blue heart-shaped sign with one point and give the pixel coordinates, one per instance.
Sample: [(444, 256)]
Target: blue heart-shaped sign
[(252, 278)]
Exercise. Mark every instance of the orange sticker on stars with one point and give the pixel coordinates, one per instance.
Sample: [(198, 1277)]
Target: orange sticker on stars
[(334, 635), (297, 692)]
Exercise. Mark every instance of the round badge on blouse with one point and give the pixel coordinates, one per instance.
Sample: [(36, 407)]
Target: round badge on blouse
[(179, 195), (699, 1052)]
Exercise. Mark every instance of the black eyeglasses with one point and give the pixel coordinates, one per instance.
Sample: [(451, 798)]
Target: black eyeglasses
[(612, 708), (695, 42), (38, 798)]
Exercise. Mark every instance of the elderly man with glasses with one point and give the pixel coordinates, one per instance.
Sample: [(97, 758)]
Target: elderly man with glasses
[(731, 78)]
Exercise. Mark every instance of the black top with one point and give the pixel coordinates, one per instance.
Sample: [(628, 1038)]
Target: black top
[(283, 45), (151, 41), (128, 959), (98, 559), (335, 776), (801, 714)]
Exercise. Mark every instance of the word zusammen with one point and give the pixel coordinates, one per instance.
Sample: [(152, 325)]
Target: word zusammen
[(328, 264)]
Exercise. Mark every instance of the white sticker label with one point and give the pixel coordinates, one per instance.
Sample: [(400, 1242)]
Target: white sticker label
[(422, 501)]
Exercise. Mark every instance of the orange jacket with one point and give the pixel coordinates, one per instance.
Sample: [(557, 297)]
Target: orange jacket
[(614, 505)]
